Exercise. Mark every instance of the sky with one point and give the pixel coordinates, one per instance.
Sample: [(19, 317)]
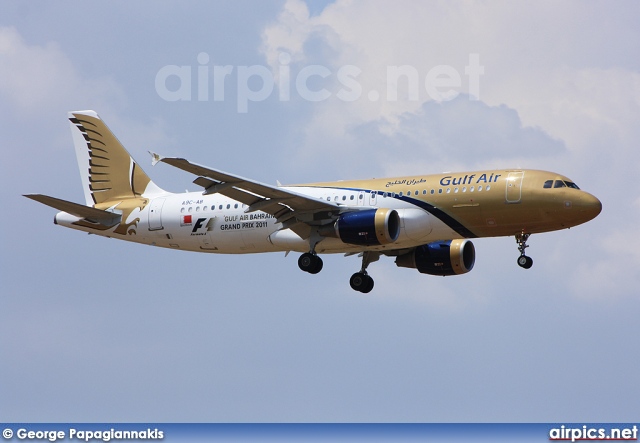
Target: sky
[(100, 330)]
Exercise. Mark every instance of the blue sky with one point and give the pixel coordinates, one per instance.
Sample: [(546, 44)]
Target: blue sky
[(92, 329)]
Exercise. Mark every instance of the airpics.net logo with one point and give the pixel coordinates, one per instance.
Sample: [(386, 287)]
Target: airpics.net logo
[(315, 83)]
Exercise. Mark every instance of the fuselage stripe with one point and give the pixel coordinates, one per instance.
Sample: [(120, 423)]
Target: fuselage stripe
[(441, 215), (438, 213)]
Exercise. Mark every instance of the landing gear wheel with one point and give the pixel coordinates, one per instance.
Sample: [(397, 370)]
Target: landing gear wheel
[(361, 282), (525, 262), (310, 263)]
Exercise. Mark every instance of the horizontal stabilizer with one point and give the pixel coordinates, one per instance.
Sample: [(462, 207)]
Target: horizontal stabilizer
[(91, 214)]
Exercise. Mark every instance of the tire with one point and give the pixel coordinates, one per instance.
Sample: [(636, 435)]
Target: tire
[(369, 285), (525, 262), (361, 282), (310, 263), (305, 262), (317, 265)]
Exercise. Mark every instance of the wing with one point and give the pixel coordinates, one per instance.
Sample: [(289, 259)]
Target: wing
[(295, 211)]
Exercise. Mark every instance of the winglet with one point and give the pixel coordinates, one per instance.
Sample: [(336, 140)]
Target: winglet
[(155, 158)]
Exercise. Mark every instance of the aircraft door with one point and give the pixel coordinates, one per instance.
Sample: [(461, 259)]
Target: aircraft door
[(155, 214), (361, 197), (373, 198), (514, 187)]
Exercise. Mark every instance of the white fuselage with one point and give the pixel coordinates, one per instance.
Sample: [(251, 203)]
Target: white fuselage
[(217, 224)]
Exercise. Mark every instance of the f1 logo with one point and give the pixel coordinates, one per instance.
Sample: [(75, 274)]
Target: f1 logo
[(200, 223)]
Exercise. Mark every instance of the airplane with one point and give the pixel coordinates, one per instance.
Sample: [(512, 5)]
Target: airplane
[(425, 222)]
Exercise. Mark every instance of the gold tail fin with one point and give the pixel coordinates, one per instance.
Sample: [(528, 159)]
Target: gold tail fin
[(108, 172)]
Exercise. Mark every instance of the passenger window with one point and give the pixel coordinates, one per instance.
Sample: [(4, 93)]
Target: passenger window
[(235, 206), (440, 191), (488, 188), (448, 190), (433, 191), (471, 189), (351, 198), (479, 188), (182, 209), (220, 207), (424, 192), (548, 184), (455, 190), (559, 184), (344, 197)]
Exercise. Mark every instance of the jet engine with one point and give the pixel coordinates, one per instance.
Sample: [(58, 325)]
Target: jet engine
[(369, 227), (450, 257)]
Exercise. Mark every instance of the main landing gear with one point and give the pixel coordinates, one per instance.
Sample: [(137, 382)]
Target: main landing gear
[(524, 261), (361, 281), (310, 262)]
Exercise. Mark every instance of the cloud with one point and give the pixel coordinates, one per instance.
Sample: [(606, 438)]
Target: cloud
[(36, 78), (611, 269), (40, 84), (461, 132), (562, 71)]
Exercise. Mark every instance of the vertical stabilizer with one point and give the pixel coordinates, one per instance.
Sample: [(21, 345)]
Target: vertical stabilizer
[(108, 172)]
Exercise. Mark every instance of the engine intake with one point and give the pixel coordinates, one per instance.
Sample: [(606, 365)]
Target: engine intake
[(449, 257), (369, 227)]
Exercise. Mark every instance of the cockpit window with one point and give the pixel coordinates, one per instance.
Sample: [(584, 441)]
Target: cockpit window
[(559, 184)]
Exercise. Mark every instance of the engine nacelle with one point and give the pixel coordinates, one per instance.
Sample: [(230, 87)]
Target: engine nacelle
[(449, 257), (369, 227)]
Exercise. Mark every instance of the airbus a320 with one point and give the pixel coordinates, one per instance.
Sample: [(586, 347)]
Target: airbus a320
[(425, 222)]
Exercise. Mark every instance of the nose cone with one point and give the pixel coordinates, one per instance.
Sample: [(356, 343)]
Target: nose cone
[(589, 207)]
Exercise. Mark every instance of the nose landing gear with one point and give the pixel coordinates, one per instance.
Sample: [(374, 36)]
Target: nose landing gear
[(524, 261)]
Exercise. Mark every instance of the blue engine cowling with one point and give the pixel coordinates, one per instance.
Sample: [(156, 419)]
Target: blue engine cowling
[(450, 257), (369, 227)]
